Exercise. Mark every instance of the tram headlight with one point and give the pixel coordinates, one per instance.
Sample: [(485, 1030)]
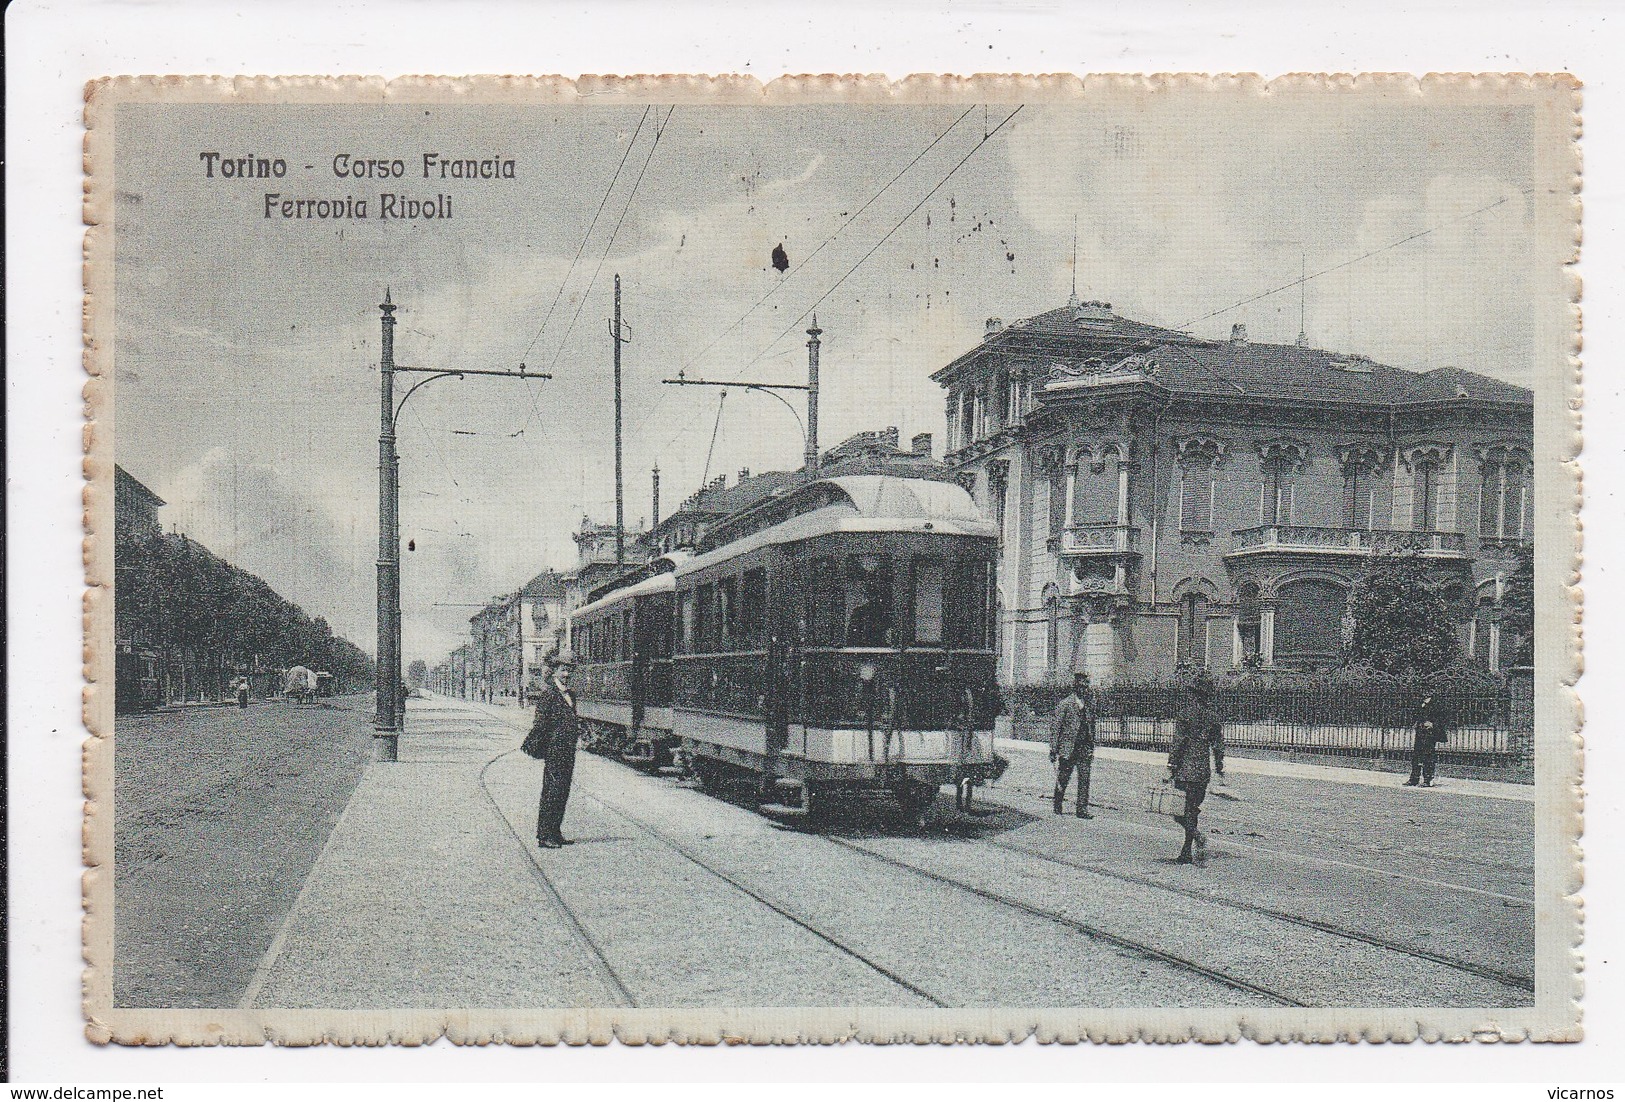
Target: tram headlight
[(866, 672)]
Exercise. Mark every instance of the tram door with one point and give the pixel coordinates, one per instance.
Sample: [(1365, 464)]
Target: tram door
[(643, 626), (780, 684)]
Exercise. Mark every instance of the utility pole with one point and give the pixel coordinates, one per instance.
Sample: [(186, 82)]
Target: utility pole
[(620, 515), (654, 513), (809, 429), (388, 686), (811, 459)]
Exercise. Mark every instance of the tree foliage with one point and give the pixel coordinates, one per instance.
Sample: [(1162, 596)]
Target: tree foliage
[(175, 596), (1518, 609), (1399, 619)]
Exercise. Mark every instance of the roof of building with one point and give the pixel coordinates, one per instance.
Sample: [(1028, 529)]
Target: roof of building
[(1092, 342), (549, 583), (1288, 372), (127, 482)]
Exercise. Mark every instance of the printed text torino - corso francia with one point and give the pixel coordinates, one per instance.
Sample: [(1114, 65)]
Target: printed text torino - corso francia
[(348, 166)]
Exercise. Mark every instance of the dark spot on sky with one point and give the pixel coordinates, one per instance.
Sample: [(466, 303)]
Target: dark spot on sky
[(780, 260), (1009, 256), (412, 545)]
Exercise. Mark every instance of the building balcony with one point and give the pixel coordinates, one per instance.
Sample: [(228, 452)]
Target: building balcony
[(1100, 540), (1359, 542)]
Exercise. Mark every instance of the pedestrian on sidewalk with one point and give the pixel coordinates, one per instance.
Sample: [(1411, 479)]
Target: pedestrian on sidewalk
[(552, 738), (1198, 734), (1432, 728), (1072, 743)]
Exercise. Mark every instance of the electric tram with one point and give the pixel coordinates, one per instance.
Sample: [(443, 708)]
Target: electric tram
[(833, 640)]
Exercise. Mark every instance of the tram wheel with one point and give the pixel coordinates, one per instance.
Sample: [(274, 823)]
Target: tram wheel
[(914, 801)]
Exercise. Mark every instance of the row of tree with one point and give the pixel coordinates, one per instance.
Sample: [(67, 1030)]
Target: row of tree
[(209, 621)]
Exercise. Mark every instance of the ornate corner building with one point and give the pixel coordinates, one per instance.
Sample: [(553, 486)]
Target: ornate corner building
[(1165, 499)]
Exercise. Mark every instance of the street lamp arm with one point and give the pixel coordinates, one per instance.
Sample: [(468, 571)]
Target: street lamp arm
[(421, 383)]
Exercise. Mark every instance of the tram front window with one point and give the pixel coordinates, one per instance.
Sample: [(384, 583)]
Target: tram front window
[(867, 593)]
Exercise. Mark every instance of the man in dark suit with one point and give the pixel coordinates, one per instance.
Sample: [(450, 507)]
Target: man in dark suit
[(552, 738), (1072, 743), (1432, 728), (1198, 735)]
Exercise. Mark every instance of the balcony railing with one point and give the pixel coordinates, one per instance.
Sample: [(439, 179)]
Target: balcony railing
[(1346, 541), (1101, 539)]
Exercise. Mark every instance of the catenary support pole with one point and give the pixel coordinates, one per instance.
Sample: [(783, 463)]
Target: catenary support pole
[(387, 723), (812, 399)]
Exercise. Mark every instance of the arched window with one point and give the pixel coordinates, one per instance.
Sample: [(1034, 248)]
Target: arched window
[(1504, 494), (1191, 646), (1309, 623), (1276, 495), (1425, 494), (1057, 498), (1248, 619), (1094, 496), (1361, 464), (1052, 630)]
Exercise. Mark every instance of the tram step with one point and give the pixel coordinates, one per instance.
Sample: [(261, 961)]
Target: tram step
[(672, 770), (787, 782), (781, 809)]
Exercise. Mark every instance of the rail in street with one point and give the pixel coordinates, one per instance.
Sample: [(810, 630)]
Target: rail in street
[(432, 893)]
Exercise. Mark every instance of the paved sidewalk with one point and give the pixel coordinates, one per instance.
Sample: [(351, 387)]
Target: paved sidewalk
[(1304, 771), (422, 896)]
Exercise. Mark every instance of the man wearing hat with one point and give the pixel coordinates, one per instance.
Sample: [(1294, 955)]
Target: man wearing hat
[(1072, 743), (1198, 738), (552, 738)]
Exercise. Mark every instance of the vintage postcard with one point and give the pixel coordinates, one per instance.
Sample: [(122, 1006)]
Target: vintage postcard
[(682, 559)]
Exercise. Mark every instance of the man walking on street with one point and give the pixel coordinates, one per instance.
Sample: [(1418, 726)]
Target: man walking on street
[(1072, 743), (1199, 732), (1432, 728), (552, 738)]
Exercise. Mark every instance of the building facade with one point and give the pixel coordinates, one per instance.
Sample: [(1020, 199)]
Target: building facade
[(1166, 500)]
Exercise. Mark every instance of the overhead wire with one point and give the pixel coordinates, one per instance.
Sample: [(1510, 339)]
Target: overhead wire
[(876, 247), (1348, 263), (987, 135), (570, 272), (826, 242), (625, 207)]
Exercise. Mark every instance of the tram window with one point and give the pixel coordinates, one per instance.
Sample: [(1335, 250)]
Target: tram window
[(626, 636), (753, 607), (686, 602), (927, 600), (868, 600), (704, 616), (968, 600), (727, 613), (824, 611)]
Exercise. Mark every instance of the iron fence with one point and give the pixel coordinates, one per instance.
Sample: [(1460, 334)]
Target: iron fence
[(1490, 725)]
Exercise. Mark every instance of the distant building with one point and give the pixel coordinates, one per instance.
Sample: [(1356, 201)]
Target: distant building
[(1165, 499), (863, 453)]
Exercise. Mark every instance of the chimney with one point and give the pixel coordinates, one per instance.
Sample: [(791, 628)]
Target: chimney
[(922, 445), (1238, 333), (993, 326), (744, 473), (889, 437)]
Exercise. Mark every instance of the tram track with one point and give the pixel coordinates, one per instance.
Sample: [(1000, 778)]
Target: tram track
[(592, 952), (1088, 930), (1482, 971), (777, 906)]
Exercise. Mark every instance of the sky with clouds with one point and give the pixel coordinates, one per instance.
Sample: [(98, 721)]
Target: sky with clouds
[(246, 348)]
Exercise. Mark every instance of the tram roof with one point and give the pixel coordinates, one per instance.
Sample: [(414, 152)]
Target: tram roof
[(660, 581), (853, 503)]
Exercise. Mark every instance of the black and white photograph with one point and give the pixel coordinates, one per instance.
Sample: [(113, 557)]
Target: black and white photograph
[(694, 560)]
